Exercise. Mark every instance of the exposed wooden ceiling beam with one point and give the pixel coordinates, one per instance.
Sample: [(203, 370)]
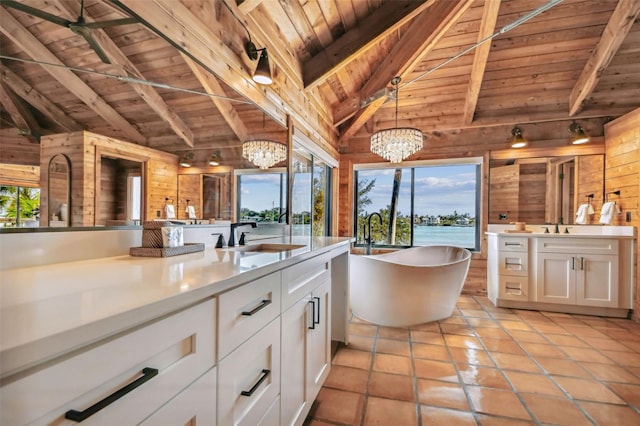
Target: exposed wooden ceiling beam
[(383, 21), (248, 5), (209, 45), (21, 116), (613, 35), (125, 67), (303, 27), (405, 56), (38, 100), (481, 54), (36, 50), (213, 87)]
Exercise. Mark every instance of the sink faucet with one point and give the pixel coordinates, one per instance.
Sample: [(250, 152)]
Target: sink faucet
[(368, 238), (232, 234)]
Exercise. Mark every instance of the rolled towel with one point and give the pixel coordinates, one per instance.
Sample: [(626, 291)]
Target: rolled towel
[(169, 211), (581, 214), (191, 212), (608, 210)]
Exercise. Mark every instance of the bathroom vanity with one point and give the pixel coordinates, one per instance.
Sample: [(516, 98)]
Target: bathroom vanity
[(225, 336), (584, 270)]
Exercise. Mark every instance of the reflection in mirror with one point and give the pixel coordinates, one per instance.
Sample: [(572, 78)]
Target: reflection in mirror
[(301, 194), (217, 196), (544, 189), (59, 185), (262, 195), (120, 192)]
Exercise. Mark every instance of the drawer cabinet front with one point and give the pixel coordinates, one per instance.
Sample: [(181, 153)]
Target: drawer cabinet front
[(195, 406), (514, 288), (249, 378), (302, 278), (513, 243), (181, 347), (514, 263), (246, 309), (577, 245)]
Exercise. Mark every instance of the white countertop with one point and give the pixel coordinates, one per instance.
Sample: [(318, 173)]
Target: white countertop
[(48, 310), (578, 231)]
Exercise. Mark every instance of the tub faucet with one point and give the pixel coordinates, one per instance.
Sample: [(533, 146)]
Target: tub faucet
[(368, 239), (232, 234)]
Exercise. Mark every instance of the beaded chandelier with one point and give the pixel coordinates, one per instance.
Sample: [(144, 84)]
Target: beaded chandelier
[(264, 153), (397, 143)]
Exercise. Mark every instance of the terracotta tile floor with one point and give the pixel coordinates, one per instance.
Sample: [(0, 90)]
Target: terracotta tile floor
[(486, 366)]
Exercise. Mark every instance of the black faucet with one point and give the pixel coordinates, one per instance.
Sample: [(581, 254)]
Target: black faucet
[(232, 234), (368, 238)]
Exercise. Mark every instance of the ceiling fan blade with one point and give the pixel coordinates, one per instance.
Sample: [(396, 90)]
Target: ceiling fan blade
[(36, 12), (111, 23), (85, 32)]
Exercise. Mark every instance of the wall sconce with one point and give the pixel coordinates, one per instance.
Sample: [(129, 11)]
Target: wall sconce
[(518, 140), (215, 159), (262, 74), (577, 134), (186, 159)]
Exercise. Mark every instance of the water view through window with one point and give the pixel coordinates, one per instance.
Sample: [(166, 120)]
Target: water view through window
[(423, 205)]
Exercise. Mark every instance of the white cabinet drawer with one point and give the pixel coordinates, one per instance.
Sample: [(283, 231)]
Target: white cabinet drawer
[(249, 379), (245, 310), (513, 263), (181, 347), (513, 243), (514, 288), (302, 278), (577, 245), (195, 406)]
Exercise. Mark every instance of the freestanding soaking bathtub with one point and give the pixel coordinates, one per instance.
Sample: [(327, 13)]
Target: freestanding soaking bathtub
[(407, 287)]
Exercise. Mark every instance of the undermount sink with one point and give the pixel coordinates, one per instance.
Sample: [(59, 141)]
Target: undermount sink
[(268, 247)]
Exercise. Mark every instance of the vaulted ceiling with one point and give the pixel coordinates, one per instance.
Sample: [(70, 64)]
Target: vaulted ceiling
[(461, 63)]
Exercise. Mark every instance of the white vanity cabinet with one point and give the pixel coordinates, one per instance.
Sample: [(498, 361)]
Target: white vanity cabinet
[(306, 336), (577, 271), (513, 265), (119, 381)]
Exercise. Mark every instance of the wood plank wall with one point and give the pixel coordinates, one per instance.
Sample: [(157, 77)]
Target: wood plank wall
[(19, 175), (622, 172), (590, 173), (84, 150)]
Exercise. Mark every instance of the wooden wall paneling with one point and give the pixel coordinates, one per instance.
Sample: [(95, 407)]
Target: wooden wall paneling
[(531, 193), (622, 172), (189, 188), (589, 180), (107, 208), (505, 194), (19, 175)]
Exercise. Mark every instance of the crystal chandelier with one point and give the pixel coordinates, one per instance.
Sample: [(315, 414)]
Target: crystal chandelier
[(264, 153), (398, 143)]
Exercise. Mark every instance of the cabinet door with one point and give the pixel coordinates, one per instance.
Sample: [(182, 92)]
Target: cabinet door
[(319, 340), (249, 379), (555, 278), (597, 282), (294, 399)]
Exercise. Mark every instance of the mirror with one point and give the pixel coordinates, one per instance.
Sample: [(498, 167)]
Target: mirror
[(205, 194), (545, 189), (59, 188), (119, 195)]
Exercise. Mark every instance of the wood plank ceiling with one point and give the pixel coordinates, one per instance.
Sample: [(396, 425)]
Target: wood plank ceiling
[(331, 61)]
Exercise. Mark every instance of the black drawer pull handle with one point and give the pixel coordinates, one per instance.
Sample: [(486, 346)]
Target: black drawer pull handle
[(318, 320), (313, 315), (78, 416), (265, 374), (261, 306)]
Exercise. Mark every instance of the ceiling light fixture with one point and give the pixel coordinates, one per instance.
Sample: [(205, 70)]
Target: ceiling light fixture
[(186, 159), (397, 143), (215, 159), (262, 74), (264, 153), (577, 134), (518, 140)]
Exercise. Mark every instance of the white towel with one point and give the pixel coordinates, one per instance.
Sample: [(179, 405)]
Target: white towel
[(608, 210), (581, 214), (169, 212), (191, 212)]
